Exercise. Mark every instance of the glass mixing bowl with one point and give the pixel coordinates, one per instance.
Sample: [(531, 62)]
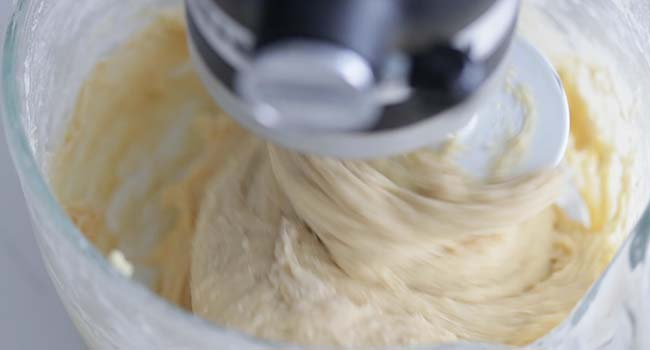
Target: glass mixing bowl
[(51, 45)]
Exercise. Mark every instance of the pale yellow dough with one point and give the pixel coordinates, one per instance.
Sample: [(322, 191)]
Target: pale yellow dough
[(319, 251)]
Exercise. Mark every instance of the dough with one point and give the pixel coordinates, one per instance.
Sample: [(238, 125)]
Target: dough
[(309, 250)]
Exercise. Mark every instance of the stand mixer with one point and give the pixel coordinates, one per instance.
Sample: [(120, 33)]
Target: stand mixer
[(51, 46), (365, 78)]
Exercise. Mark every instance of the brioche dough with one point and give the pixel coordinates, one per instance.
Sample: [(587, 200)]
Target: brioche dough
[(309, 250)]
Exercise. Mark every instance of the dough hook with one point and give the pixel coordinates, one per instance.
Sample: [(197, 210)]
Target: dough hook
[(359, 79)]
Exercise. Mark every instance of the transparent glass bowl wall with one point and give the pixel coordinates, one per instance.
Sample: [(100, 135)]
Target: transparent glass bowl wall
[(51, 45)]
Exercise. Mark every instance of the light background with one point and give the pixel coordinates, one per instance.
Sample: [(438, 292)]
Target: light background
[(31, 315)]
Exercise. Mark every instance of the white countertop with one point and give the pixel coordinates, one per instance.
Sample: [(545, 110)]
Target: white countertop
[(31, 314)]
